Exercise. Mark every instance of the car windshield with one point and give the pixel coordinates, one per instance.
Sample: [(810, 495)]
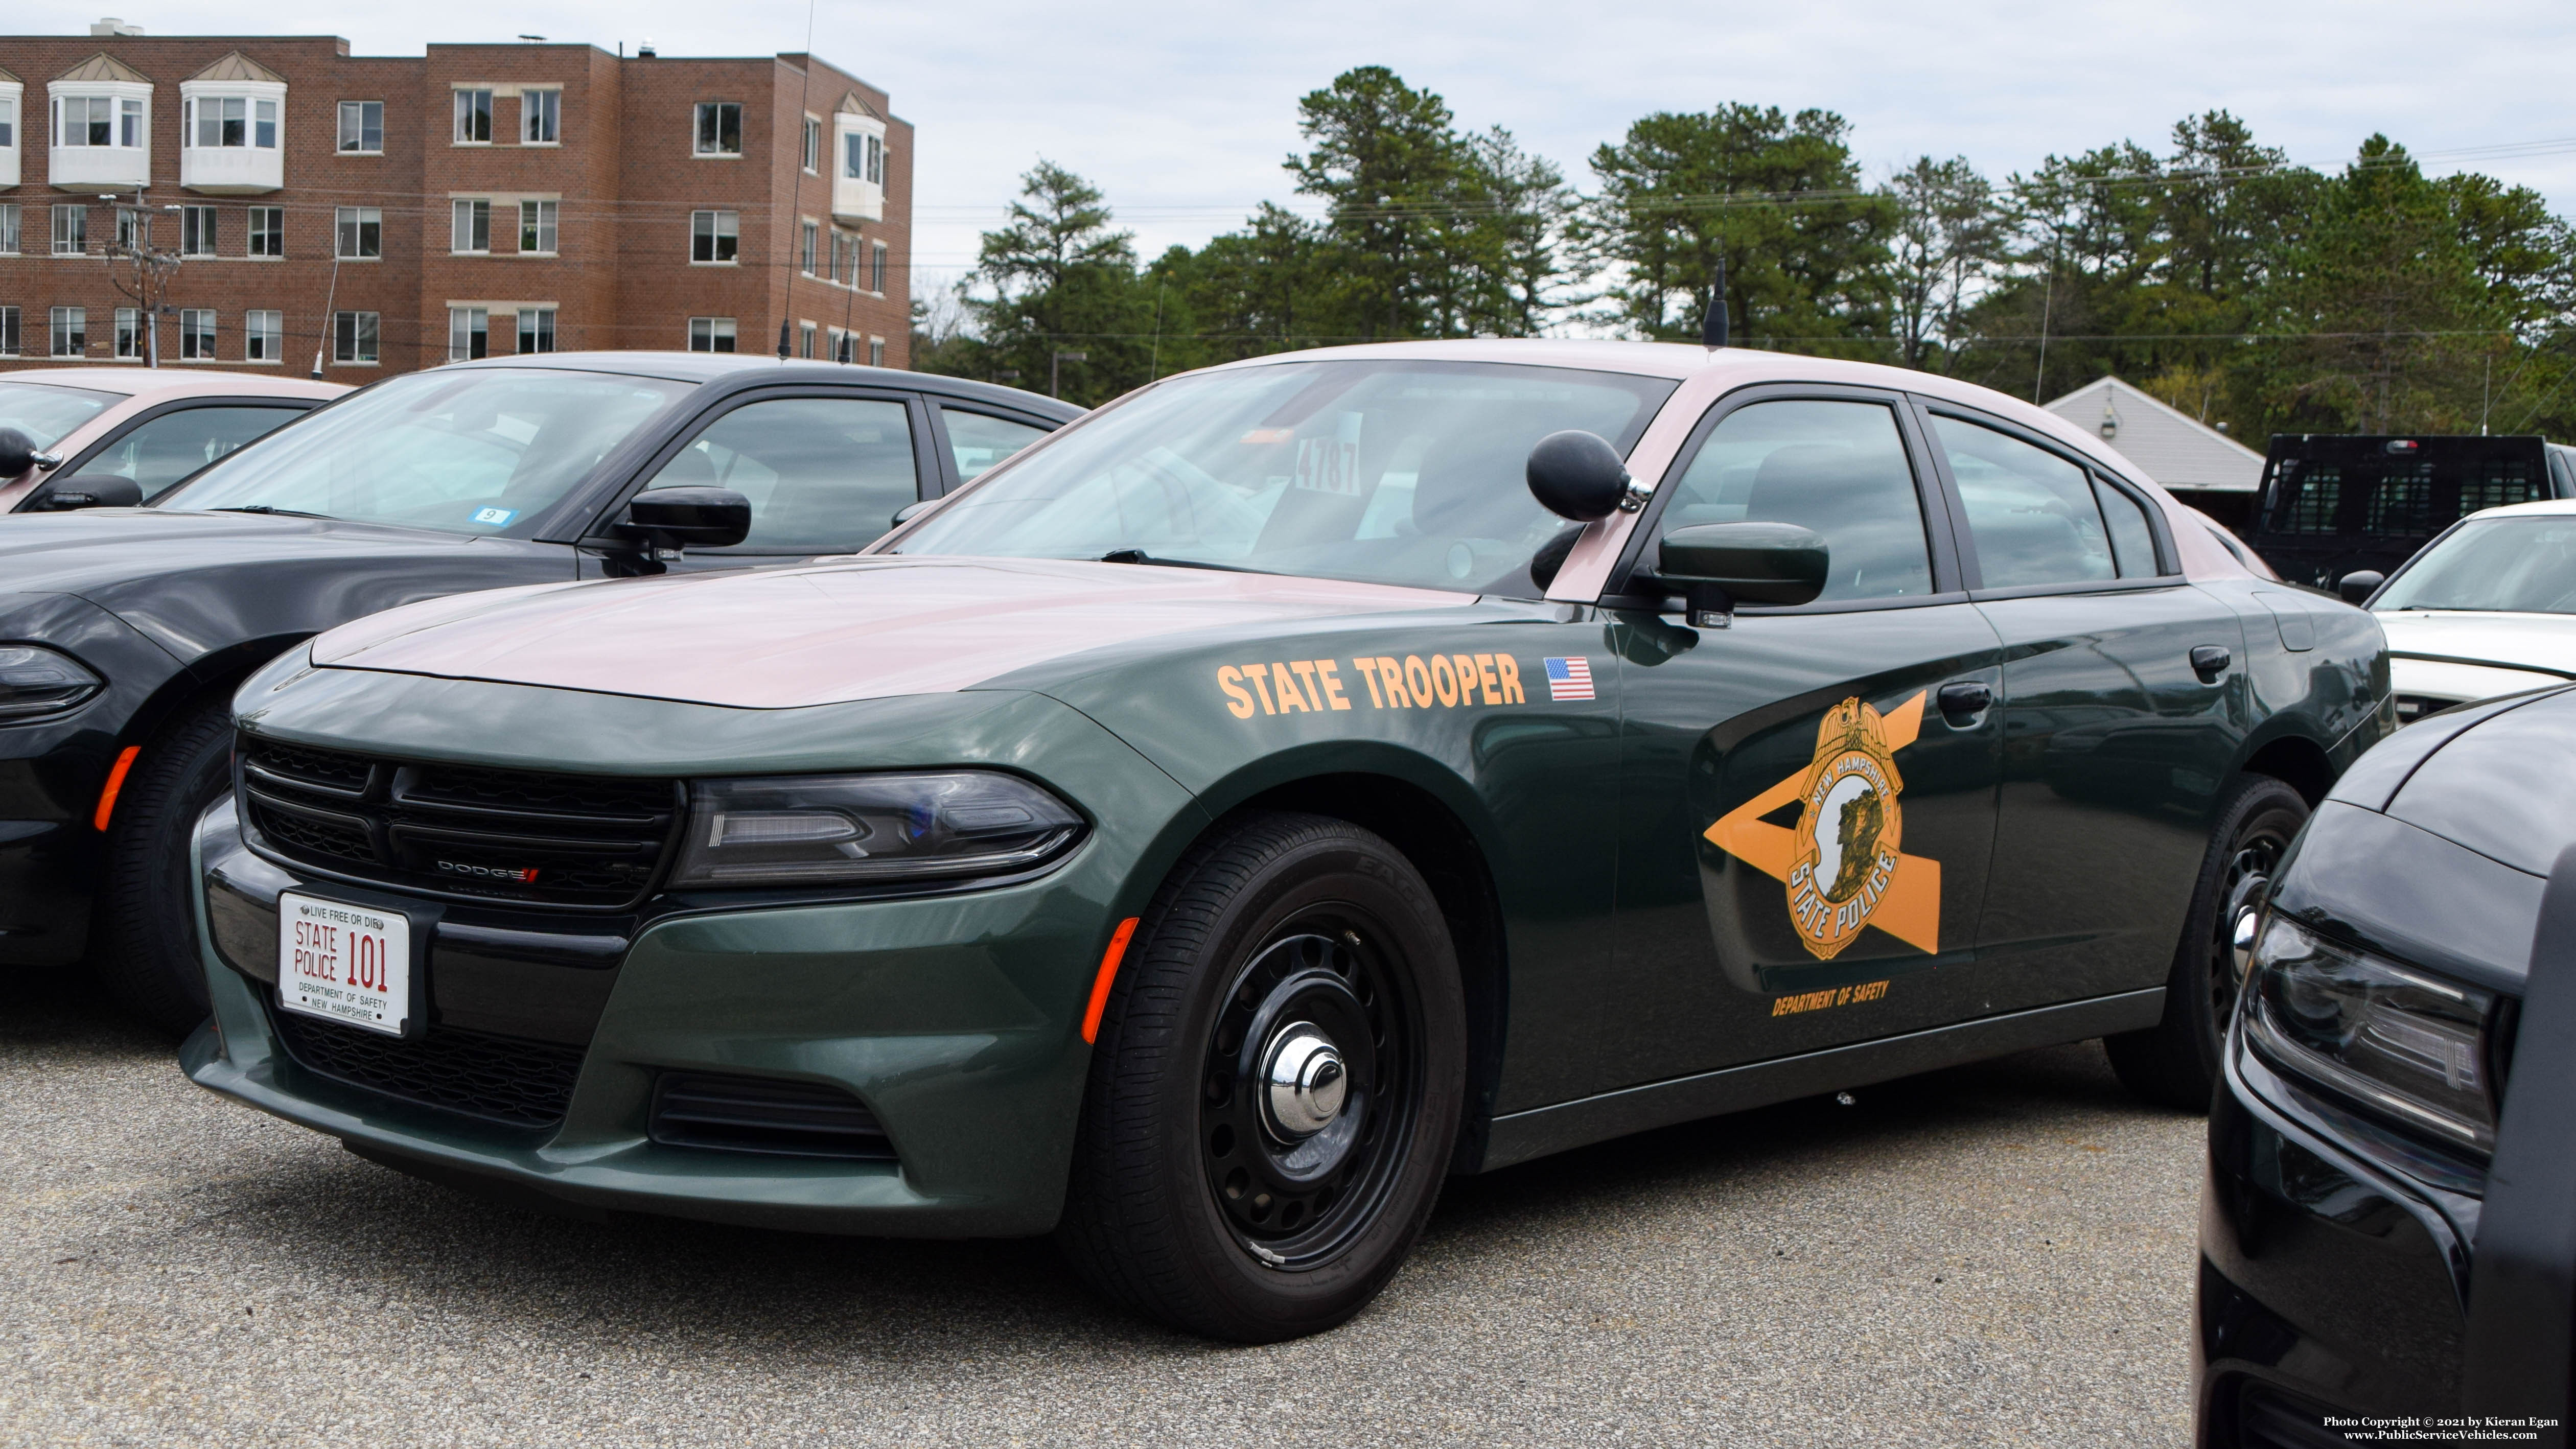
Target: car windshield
[(484, 450), (2524, 565), (1403, 472), (47, 414)]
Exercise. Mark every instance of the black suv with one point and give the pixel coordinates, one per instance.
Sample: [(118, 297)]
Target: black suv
[(123, 631)]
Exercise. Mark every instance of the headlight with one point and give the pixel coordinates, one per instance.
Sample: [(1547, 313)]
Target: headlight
[(37, 681), (2406, 1042), (851, 829)]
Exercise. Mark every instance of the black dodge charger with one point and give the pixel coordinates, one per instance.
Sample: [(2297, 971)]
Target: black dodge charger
[(123, 631), (2389, 1227)]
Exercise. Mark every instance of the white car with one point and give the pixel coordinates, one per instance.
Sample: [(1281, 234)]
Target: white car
[(2488, 608)]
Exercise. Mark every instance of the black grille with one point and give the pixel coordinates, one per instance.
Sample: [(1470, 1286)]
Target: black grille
[(497, 1078), (469, 830), (760, 1114)]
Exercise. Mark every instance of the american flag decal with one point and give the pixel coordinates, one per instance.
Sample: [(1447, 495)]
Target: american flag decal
[(1569, 679)]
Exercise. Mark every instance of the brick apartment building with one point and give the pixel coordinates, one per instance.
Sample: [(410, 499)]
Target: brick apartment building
[(481, 200)]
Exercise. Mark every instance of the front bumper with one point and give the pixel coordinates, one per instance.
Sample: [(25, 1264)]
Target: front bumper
[(2330, 1283)]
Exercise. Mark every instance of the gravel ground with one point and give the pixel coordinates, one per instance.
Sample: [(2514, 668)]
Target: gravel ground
[(2000, 1254)]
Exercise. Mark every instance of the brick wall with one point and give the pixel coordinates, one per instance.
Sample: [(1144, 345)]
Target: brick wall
[(623, 180)]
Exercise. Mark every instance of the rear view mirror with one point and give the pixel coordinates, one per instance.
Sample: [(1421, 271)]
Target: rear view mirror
[(101, 490), (2357, 586), (690, 517), (1756, 563), (1577, 475)]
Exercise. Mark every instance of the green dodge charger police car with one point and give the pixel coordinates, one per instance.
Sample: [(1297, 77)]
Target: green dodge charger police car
[(1294, 783)]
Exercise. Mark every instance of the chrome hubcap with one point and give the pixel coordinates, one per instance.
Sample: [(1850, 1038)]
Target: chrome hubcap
[(1304, 1082)]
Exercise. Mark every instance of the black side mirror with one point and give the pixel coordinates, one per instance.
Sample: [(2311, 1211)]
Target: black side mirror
[(1758, 563), (690, 517), (17, 453), (1577, 475), (2359, 585), (102, 490), (910, 511)]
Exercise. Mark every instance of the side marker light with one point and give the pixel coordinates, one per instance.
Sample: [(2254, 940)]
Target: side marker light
[(1109, 960), (115, 782)]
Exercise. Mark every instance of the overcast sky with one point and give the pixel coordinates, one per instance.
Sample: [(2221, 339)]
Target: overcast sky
[(1183, 109)]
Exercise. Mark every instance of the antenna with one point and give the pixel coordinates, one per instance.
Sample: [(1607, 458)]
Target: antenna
[(1713, 322)]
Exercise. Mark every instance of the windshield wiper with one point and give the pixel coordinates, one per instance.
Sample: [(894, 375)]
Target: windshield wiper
[(269, 508), (1139, 556)]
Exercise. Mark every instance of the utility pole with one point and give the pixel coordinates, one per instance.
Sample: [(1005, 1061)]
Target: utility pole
[(151, 273)]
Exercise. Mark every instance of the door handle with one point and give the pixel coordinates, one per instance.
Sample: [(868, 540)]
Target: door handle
[(2210, 661), (1965, 697)]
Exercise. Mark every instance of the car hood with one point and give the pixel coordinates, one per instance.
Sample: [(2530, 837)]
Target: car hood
[(864, 628), (2500, 786), (2545, 642), (100, 553)]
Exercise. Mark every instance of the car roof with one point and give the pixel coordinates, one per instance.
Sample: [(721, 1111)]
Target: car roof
[(159, 383), (1733, 366), (2545, 505), (713, 367)]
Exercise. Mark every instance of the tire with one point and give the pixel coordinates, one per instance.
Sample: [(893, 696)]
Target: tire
[(145, 940), (2175, 1063), (1194, 1199)]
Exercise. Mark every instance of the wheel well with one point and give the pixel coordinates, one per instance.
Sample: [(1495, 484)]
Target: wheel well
[(2297, 763), (1430, 835)]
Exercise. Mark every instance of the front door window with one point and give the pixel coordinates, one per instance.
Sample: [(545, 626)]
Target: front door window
[(824, 475)]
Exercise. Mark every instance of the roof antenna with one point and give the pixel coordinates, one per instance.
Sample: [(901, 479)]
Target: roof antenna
[(1712, 323)]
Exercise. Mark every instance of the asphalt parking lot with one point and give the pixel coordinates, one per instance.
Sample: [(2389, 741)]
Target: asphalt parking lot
[(1998, 1254)]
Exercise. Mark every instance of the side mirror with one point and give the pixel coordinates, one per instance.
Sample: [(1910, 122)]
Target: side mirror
[(910, 511), (17, 453), (101, 490), (2359, 585), (1577, 475), (1759, 563), (690, 517)]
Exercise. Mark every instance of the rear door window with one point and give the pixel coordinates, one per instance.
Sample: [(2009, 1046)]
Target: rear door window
[(823, 474), (2133, 539), (980, 440), (2031, 513)]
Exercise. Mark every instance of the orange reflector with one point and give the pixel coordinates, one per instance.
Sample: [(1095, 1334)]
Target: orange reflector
[(115, 782), (1109, 960)]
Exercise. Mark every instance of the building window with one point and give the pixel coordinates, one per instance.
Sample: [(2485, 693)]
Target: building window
[(353, 336), (129, 333), (536, 329), (8, 122), (97, 121), (714, 236), (813, 144), (71, 230), (876, 352), (876, 267), (469, 333), (229, 121), (197, 333), (540, 117), (263, 336), (474, 118), (196, 231), (268, 231), (537, 227), (719, 128), (129, 228), (71, 331), (362, 128), (9, 343), (361, 236), (706, 334), (8, 228), (804, 339), (812, 242), (471, 229)]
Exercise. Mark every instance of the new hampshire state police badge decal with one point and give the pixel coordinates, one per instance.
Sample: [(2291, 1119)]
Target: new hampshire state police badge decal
[(1844, 862)]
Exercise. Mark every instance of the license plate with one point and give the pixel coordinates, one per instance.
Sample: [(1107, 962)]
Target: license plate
[(344, 963)]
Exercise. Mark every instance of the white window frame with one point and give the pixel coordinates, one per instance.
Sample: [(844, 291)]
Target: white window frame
[(71, 229), (540, 222), (541, 108), (349, 234), (11, 341), (460, 133), (71, 323), (259, 117), (263, 335), (699, 142), (126, 342), (876, 352), (11, 219), (722, 233), (812, 156), (197, 231), (197, 331), (469, 227), (357, 338), (876, 268), (274, 233), (536, 329), (127, 121), (710, 331), (809, 245), (360, 110), (464, 325)]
